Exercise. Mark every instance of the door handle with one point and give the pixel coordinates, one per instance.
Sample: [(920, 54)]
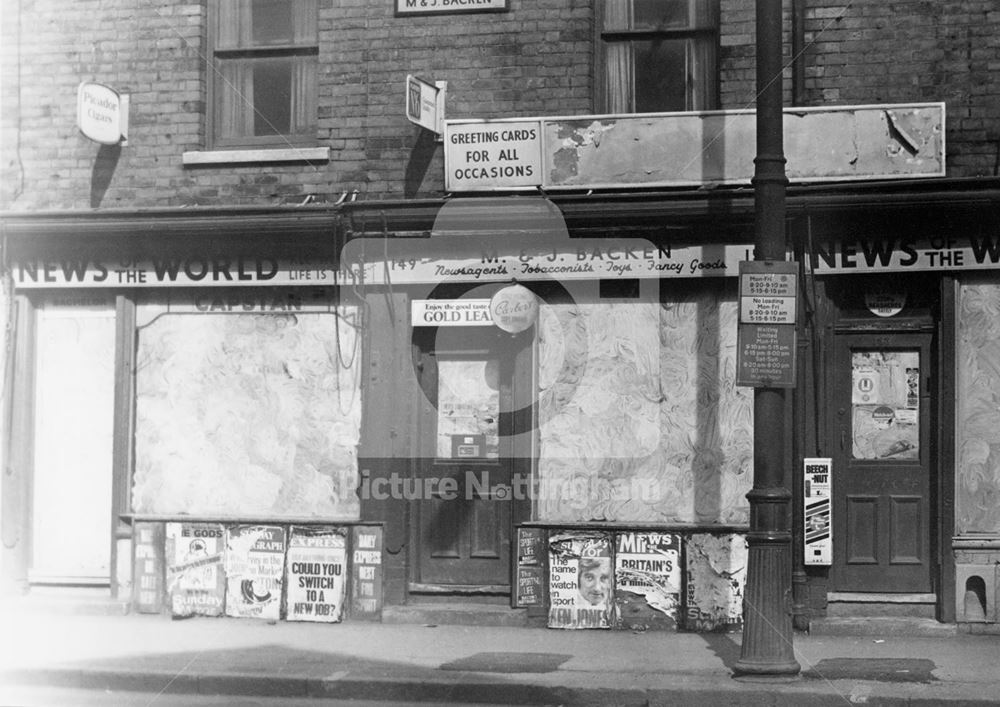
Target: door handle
[(843, 439)]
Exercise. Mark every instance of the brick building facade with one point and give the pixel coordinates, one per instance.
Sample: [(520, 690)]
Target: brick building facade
[(249, 219)]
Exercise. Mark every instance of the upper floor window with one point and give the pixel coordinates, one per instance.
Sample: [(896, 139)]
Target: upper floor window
[(658, 55), (262, 79)]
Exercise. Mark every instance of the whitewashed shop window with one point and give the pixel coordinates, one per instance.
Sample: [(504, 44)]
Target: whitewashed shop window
[(248, 404), (639, 415), (262, 78), (657, 56)]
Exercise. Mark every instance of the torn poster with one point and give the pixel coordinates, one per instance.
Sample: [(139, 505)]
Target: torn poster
[(195, 581), (647, 576), (255, 563)]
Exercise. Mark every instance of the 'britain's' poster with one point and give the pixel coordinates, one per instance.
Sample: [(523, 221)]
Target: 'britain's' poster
[(316, 567), (195, 580), (647, 579), (255, 562), (580, 580)]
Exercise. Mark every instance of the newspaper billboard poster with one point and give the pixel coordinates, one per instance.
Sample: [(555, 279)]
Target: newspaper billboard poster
[(316, 570), (147, 567), (529, 590), (366, 572), (581, 593), (194, 554), (255, 563), (647, 579), (716, 567)]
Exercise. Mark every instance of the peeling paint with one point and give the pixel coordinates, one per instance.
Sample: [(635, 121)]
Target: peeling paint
[(716, 578), (899, 140)]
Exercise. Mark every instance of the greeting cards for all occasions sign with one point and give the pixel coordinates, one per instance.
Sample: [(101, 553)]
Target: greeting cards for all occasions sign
[(581, 582), (316, 571), (195, 580), (255, 562)]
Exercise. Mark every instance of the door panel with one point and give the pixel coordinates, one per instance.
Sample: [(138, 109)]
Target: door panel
[(882, 463)]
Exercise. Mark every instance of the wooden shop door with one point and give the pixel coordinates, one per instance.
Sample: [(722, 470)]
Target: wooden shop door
[(883, 463), (464, 509)]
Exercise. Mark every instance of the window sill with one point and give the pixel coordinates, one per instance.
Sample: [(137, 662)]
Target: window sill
[(289, 154)]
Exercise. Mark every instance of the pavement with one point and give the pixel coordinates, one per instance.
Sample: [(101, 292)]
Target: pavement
[(439, 664)]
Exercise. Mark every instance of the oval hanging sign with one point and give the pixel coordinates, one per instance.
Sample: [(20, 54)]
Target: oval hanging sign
[(99, 113), (514, 308)]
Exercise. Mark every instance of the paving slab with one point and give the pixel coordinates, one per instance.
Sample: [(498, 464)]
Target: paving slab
[(435, 663)]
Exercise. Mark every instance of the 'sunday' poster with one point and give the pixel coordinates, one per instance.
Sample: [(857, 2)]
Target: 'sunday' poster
[(194, 555), (647, 576), (581, 583), (316, 565), (255, 562)]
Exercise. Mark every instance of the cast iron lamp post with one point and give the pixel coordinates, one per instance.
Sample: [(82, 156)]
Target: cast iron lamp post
[(767, 618)]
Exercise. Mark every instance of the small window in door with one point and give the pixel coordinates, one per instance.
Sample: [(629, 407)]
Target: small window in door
[(468, 408), (885, 404)]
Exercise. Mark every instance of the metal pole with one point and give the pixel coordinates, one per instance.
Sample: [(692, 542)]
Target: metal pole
[(767, 618)]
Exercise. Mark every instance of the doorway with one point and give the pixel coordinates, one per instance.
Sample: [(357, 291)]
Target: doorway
[(884, 465), (465, 495), (72, 446)]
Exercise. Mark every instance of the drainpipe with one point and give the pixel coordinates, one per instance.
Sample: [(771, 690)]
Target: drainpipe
[(798, 52), (767, 604)]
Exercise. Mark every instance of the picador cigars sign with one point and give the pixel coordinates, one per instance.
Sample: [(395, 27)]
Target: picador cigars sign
[(423, 261), (102, 113)]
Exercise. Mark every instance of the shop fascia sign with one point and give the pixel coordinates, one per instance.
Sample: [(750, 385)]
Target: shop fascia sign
[(446, 7), (457, 259), (844, 256), (102, 113), (840, 143)]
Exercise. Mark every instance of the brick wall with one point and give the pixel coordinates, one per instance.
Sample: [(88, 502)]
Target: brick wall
[(873, 51), (536, 59)]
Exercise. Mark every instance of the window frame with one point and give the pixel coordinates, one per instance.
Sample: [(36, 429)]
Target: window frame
[(307, 137), (704, 31)]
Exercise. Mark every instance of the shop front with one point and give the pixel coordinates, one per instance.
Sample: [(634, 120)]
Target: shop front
[(519, 402)]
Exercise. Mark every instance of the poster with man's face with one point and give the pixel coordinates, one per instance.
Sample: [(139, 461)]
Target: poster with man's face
[(581, 580)]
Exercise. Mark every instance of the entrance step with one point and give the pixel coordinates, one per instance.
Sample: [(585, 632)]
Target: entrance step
[(881, 626), (458, 613)]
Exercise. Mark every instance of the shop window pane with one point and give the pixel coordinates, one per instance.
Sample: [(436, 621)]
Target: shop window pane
[(885, 404)]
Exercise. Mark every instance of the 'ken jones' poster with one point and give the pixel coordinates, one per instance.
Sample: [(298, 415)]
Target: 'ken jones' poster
[(581, 580)]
